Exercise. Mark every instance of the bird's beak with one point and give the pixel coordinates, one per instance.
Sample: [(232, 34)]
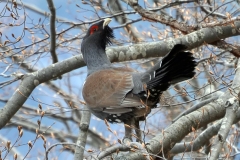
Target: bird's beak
[(106, 22)]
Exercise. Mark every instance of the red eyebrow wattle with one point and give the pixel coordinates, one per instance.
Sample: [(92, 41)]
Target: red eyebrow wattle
[(95, 27)]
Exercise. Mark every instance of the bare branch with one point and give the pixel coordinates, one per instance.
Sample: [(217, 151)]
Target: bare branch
[(199, 142), (62, 144), (163, 18), (13, 149), (82, 138), (215, 10), (195, 107), (52, 31)]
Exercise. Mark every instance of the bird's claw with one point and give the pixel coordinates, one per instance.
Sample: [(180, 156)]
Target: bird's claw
[(127, 140), (140, 147)]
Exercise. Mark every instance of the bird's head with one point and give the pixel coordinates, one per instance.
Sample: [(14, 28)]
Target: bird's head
[(98, 34)]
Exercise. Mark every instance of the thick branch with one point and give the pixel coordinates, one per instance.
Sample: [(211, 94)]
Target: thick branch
[(160, 48), (227, 122), (200, 141)]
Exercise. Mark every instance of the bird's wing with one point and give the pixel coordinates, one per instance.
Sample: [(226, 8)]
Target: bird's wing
[(109, 88)]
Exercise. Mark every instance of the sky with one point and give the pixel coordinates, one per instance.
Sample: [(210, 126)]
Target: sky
[(70, 12)]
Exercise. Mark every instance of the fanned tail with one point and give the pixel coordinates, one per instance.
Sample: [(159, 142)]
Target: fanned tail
[(175, 67)]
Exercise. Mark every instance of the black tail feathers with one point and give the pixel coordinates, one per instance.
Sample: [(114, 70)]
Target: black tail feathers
[(175, 67)]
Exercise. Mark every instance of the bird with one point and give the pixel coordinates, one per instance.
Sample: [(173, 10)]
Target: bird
[(121, 94)]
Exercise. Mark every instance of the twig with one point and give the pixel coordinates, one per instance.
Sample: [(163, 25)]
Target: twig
[(195, 107), (3, 73), (163, 18), (63, 143), (212, 13), (52, 31), (215, 10), (13, 150)]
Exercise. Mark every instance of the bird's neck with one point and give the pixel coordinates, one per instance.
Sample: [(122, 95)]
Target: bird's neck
[(95, 59)]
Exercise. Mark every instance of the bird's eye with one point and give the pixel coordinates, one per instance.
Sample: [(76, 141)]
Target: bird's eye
[(93, 29)]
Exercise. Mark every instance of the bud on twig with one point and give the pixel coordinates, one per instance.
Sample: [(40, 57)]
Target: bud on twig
[(30, 144), (21, 133), (8, 145), (19, 128), (39, 122), (42, 114), (15, 156), (40, 106)]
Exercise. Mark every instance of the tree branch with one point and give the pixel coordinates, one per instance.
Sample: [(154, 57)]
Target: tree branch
[(162, 18), (195, 107), (52, 31), (82, 138)]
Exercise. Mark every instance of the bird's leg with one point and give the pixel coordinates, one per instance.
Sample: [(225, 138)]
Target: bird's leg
[(128, 131), (140, 114), (137, 130), (133, 122)]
